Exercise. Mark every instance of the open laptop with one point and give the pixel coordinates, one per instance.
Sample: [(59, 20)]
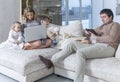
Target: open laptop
[(35, 33)]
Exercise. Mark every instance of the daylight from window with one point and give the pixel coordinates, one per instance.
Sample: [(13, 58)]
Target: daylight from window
[(76, 10)]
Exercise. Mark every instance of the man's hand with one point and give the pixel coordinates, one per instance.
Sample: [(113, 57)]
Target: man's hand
[(93, 35), (87, 33), (93, 38)]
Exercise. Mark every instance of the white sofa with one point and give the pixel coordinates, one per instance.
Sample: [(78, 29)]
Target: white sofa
[(25, 65), (97, 70)]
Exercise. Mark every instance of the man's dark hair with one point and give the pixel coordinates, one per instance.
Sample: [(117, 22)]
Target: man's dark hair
[(108, 12)]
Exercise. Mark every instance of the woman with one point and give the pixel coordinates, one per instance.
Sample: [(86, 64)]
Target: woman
[(30, 20)]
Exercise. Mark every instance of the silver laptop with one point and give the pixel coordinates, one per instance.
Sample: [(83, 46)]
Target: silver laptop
[(35, 33)]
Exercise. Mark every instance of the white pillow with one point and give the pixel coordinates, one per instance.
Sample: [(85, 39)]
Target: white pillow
[(75, 29), (117, 54)]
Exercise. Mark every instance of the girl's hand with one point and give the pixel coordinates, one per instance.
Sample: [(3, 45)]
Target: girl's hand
[(17, 42), (54, 34)]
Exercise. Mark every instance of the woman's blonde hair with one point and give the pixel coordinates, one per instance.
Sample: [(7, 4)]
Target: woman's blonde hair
[(13, 25), (26, 10)]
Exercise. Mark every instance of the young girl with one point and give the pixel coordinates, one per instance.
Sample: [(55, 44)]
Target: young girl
[(15, 39), (30, 19), (52, 30)]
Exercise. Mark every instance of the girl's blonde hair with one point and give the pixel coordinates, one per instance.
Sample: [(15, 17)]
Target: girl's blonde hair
[(26, 10), (13, 25)]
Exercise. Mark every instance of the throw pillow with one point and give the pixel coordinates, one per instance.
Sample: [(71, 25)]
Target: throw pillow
[(74, 29)]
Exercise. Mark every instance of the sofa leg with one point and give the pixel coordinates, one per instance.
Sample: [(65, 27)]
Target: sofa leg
[(58, 75)]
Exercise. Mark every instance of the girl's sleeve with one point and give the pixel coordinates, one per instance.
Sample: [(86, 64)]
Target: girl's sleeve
[(20, 37), (50, 34), (10, 37)]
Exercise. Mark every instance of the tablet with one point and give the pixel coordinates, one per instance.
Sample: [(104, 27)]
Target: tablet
[(92, 30)]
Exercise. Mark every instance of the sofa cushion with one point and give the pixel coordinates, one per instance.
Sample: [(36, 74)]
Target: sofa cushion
[(117, 54), (104, 68), (68, 63), (24, 61)]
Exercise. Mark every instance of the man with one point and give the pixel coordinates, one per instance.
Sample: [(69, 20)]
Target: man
[(103, 44)]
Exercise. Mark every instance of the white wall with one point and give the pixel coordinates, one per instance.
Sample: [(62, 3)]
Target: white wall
[(99, 5), (96, 7), (9, 12)]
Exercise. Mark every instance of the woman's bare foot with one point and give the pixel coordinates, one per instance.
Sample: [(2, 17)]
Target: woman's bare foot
[(46, 61), (27, 44)]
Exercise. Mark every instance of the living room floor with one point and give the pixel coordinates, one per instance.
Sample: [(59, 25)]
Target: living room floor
[(50, 78)]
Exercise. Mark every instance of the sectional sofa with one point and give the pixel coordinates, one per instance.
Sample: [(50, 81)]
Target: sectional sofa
[(97, 70), (25, 65)]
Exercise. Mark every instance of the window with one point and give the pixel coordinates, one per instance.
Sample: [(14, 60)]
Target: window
[(86, 13), (50, 8), (77, 10), (63, 12)]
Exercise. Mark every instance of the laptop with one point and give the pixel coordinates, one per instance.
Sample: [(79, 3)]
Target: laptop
[(35, 33)]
